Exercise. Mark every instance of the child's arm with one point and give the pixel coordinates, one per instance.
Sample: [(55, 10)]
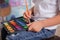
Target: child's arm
[(38, 25), (52, 21)]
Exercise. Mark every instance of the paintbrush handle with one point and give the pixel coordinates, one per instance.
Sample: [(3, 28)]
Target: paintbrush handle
[(26, 5), (27, 9)]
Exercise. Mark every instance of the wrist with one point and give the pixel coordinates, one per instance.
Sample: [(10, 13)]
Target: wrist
[(42, 24)]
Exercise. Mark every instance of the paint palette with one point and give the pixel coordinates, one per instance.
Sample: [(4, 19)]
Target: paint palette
[(15, 25), (8, 27)]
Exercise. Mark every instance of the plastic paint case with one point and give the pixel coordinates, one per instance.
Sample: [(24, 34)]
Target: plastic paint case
[(13, 23), (8, 27), (21, 23), (22, 19)]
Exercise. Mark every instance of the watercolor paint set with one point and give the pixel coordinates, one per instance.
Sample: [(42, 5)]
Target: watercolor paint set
[(15, 25)]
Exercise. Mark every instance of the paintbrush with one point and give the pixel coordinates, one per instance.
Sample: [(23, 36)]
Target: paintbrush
[(27, 9)]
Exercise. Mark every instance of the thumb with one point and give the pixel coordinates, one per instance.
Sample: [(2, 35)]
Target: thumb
[(29, 24), (30, 28)]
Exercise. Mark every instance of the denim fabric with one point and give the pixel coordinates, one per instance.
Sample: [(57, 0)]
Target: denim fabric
[(26, 35)]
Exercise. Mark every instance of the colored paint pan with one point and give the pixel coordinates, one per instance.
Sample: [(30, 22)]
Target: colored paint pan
[(8, 27), (21, 23), (15, 25), (22, 19)]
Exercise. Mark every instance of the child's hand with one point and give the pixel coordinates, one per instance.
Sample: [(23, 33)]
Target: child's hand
[(27, 14), (35, 26)]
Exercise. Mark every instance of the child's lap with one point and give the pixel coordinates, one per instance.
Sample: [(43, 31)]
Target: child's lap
[(26, 35)]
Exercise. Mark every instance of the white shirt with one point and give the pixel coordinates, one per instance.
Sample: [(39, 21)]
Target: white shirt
[(44, 9)]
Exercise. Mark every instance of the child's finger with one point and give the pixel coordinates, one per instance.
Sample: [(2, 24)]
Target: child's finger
[(29, 24), (25, 16), (28, 14), (30, 28)]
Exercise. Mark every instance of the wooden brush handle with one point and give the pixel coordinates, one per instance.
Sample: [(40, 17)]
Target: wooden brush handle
[(26, 5), (27, 10)]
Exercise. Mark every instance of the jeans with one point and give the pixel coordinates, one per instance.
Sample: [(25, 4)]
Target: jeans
[(27, 35)]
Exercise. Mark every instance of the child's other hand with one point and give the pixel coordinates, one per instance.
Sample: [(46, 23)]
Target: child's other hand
[(35, 26), (27, 14)]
